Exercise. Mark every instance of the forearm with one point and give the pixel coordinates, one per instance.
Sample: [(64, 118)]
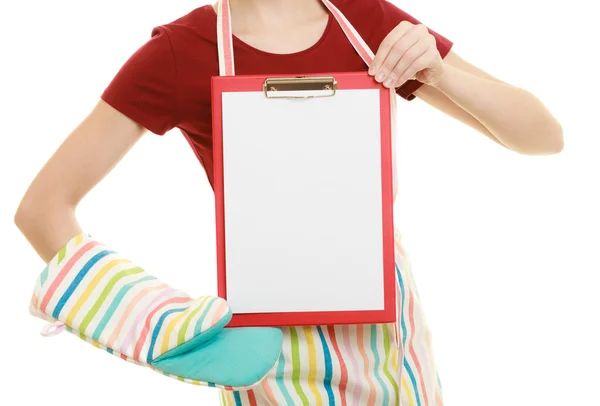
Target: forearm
[(515, 117), (47, 227)]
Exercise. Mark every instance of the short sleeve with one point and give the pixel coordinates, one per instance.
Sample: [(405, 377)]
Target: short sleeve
[(145, 87), (394, 16)]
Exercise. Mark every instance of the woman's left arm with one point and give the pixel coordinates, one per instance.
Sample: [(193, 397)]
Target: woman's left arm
[(509, 115)]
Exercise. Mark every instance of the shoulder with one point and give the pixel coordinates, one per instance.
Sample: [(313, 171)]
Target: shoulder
[(188, 38), (197, 19), (198, 24)]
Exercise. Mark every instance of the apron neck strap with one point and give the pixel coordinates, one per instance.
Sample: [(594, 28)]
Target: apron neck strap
[(225, 38)]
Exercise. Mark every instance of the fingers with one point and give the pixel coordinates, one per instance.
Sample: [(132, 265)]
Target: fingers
[(403, 53), (389, 43), (405, 69), (405, 65)]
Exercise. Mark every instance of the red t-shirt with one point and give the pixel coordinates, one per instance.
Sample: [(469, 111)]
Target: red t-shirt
[(166, 82)]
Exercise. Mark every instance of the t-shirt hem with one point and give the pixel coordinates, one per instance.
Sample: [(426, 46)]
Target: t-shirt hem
[(138, 117)]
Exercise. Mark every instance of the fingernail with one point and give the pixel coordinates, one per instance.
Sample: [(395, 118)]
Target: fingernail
[(372, 70), (380, 76), (388, 83)]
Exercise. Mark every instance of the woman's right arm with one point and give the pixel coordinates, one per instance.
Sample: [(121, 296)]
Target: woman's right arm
[(46, 213)]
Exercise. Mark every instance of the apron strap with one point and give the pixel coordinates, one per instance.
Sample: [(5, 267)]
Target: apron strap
[(224, 39)]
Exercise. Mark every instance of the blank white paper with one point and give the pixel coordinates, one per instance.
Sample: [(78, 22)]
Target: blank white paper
[(303, 206)]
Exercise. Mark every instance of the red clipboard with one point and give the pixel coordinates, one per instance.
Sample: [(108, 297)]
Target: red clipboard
[(229, 183)]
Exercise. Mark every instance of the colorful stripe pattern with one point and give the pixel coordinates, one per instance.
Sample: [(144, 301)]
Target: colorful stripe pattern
[(380, 364), (109, 302), (369, 364)]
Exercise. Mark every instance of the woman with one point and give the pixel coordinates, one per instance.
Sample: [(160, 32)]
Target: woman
[(165, 84)]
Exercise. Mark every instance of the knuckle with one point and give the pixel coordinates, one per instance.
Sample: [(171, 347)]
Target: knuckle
[(422, 27), (421, 60), (421, 63), (430, 54), (398, 46), (410, 54), (389, 63), (388, 66), (387, 43)]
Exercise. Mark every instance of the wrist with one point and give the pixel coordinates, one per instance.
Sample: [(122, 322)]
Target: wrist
[(445, 78)]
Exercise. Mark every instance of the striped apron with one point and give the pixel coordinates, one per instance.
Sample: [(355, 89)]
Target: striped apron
[(365, 364)]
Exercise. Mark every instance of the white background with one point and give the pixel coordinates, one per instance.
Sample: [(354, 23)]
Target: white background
[(504, 247)]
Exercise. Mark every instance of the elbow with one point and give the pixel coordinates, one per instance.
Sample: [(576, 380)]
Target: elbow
[(533, 129), (559, 140), (554, 141), (22, 215), (35, 213), (27, 215), (42, 208), (544, 141), (551, 138)]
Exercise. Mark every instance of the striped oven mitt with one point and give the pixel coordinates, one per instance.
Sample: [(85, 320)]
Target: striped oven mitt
[(105, 299)]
